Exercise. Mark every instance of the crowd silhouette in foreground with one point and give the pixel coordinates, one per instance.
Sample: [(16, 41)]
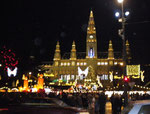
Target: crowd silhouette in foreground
[(94, 102)]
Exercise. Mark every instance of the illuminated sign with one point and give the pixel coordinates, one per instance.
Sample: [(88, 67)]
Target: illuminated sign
[(133, 70), (12, 72)]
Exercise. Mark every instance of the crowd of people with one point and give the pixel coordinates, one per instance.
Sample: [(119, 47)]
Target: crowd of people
[(94, 102)]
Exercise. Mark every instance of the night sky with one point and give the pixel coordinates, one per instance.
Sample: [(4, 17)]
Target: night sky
[(32, 27)]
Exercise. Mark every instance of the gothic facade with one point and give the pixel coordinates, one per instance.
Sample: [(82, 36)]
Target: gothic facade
[(95, 66)]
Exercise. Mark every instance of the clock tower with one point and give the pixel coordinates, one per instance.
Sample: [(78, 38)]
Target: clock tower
[(91, 41)]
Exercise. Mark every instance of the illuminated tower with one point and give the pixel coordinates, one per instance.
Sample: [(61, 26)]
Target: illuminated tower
[(110, 51), (128, 54), (73, 52), (91, 41), (57, 55)]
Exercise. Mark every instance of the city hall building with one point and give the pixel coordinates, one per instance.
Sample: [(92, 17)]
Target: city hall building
[(91, 66)]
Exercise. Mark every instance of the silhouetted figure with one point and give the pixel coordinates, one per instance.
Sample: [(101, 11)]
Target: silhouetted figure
[(102, 103), (116, 102)]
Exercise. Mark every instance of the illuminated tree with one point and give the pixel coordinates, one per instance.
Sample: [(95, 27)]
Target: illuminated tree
[(91, 74)]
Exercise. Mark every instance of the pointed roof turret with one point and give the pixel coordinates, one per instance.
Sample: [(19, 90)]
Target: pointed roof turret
[(57, 46), (57, 55), (110, 46), (73, 51), (91, 25), (110, 51), (128, 53)]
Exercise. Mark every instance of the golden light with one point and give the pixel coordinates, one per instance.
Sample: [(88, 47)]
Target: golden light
[(106, 63), (115, 63), (102, 63), (133, 70), (121, 64), (120, 1)]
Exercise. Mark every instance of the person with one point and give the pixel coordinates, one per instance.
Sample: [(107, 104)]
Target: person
[(84, 100), (116, 104), (102, 102), (91, 103), (96, 104), (79, 100)]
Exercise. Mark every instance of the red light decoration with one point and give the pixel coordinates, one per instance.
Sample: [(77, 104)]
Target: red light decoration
[(8, 59), (126, 79)]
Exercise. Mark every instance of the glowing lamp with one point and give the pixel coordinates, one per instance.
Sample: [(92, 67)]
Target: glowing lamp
[(127, 13), (120, 1), (117, 14), (126, 79)]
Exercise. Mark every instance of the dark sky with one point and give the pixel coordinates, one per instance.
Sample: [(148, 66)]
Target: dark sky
[(32, 27)]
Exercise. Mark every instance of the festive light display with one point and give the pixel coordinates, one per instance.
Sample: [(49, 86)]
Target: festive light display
[(85, 72), (111, 76), (12, 72), (40, 82), (48, 75), (133, 70), (8, 61), (25, 84), (126, 79), (142, 76)]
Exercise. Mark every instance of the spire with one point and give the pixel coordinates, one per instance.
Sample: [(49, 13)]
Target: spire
[(91, 41), (128, 53), (57, 55), (73, 51), (110, 51), (91, 25)]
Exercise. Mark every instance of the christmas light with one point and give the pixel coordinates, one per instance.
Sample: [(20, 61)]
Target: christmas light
[(12, 72)]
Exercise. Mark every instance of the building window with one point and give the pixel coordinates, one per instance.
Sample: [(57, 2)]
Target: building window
[(73, 63), (91, 53), (115, 63), (78, 63), (81, 64), (106, 63), (121, 64), (98, 63), (84, 63), (102, 63), (64, 64), (56, 63), (68, 64), (72, 77), (68, 77), (91, 36)]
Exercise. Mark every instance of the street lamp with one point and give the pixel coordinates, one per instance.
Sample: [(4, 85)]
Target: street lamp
[(122, 34), (120, 1)]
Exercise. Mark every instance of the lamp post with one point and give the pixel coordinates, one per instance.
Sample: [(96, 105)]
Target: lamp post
[(122, 34)]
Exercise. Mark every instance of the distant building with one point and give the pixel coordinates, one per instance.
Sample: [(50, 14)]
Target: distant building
[(106, 68)]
